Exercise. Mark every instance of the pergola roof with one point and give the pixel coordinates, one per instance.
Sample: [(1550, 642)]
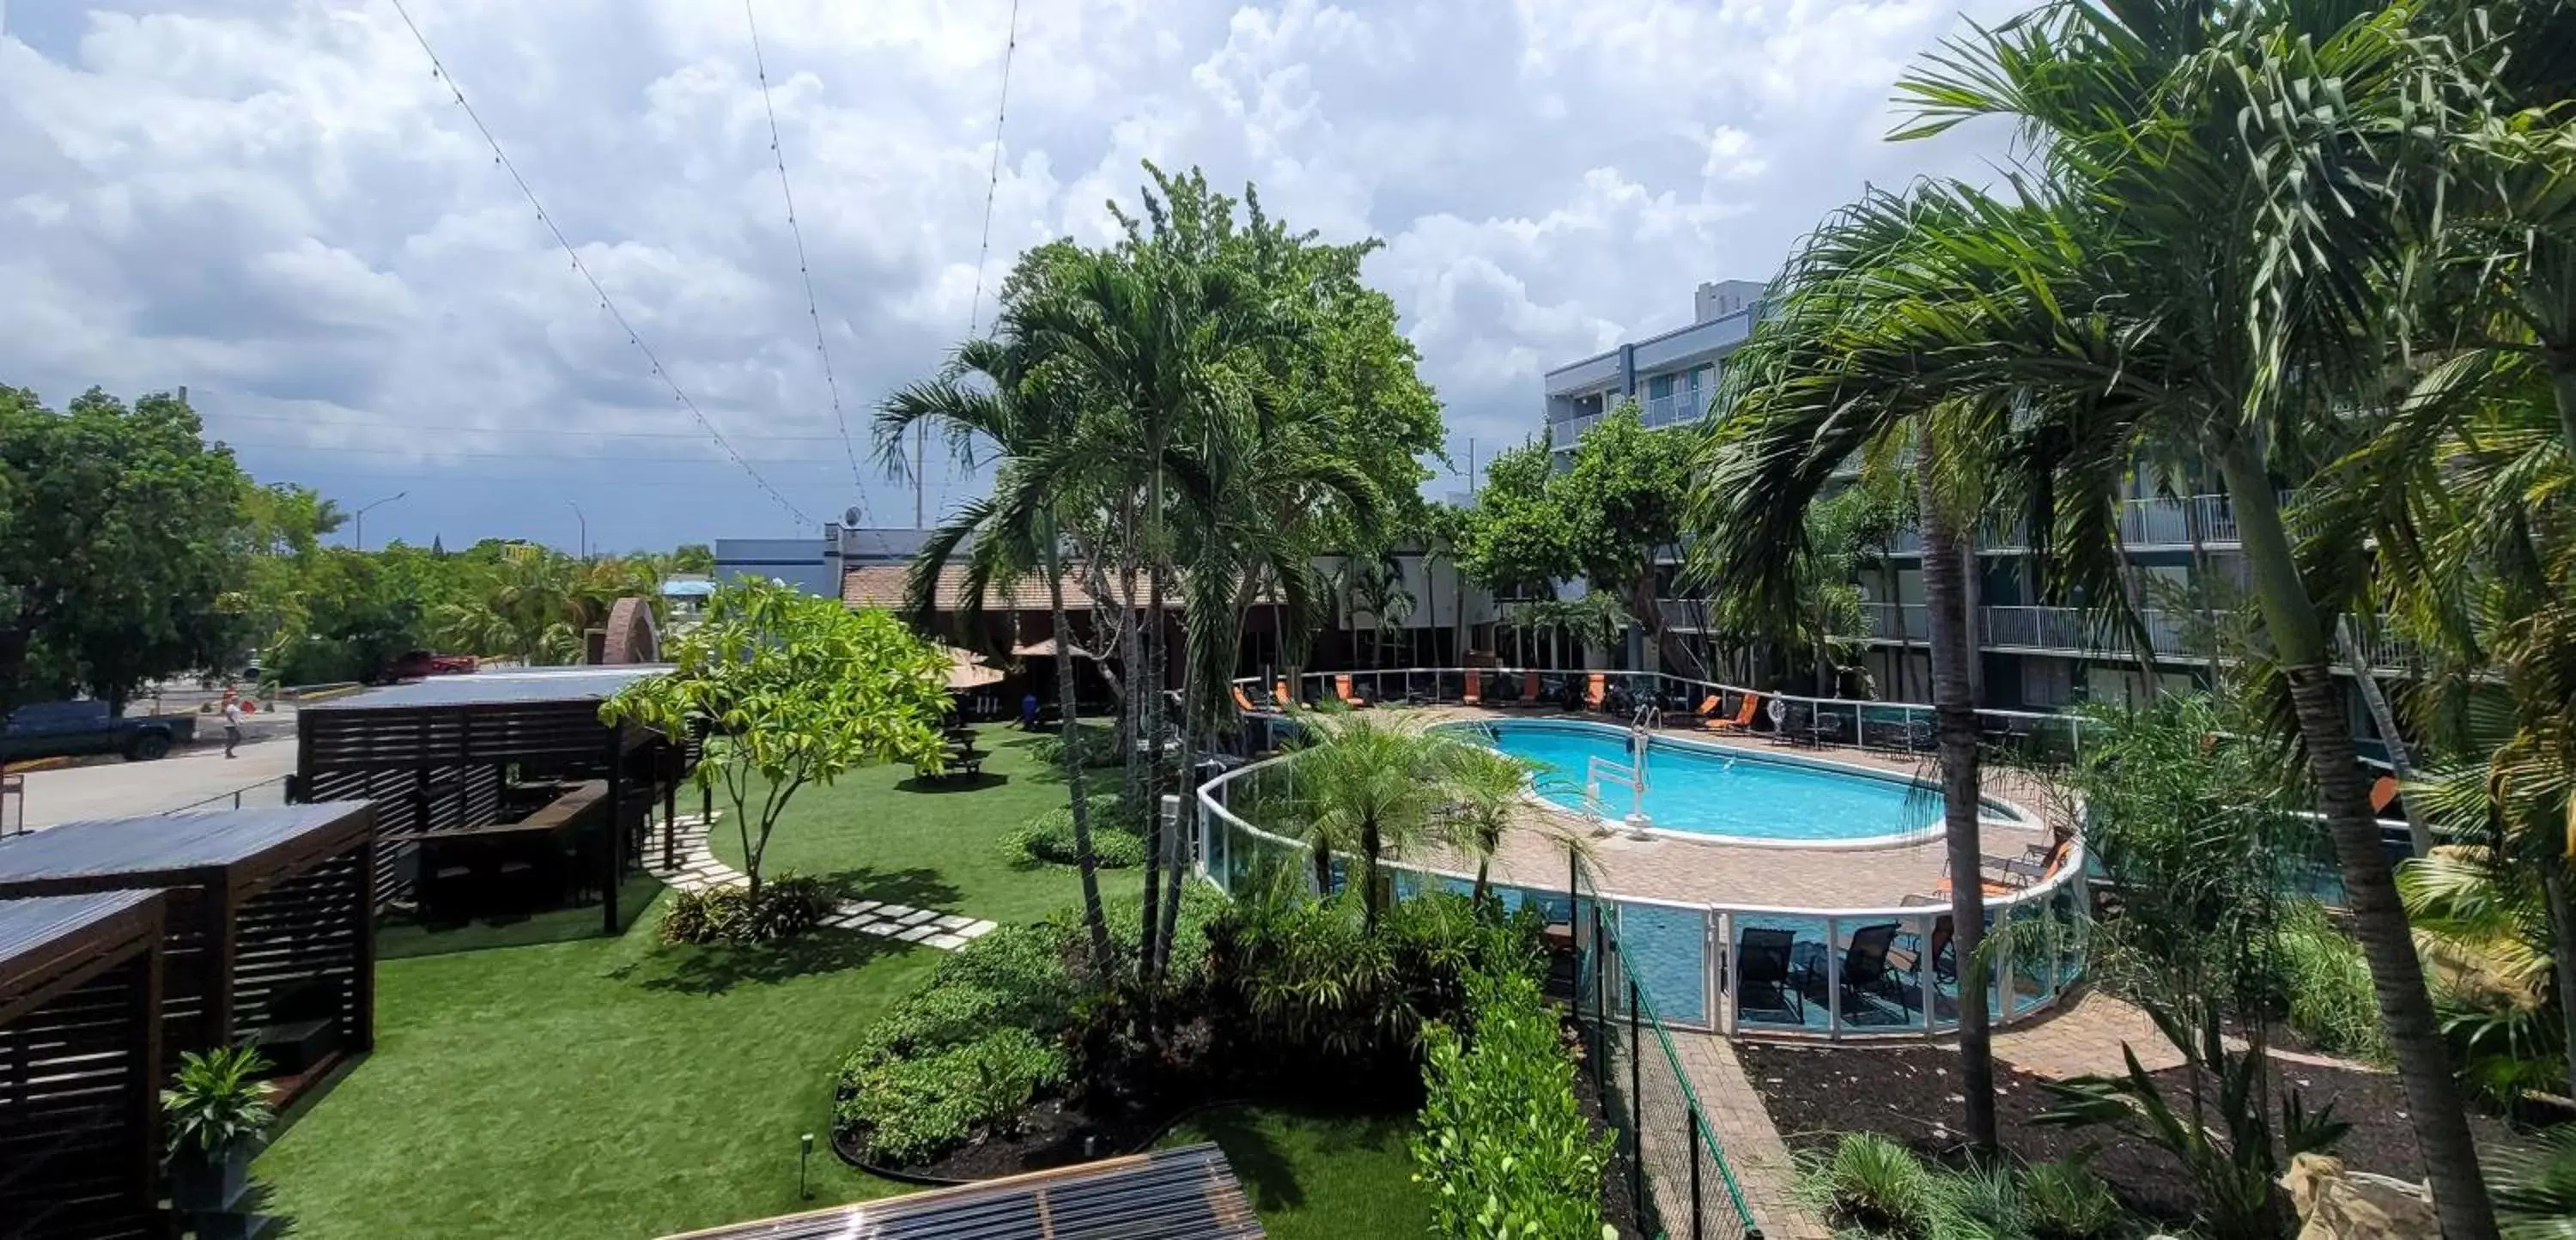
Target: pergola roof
[(519, 686), (1188, 1193), (171, 843), (46, 934)]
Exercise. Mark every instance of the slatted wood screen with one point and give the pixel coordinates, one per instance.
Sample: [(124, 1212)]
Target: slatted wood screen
[(75, 1145), (296, 953), (411, 802)]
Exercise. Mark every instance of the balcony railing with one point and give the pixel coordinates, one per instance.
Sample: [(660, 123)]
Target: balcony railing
[(1673, 408), (1562, 436), (1898, 621), (2144, 523), (2074, 629)]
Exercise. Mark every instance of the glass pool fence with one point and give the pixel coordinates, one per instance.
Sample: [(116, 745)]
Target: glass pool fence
[(1831, 974)]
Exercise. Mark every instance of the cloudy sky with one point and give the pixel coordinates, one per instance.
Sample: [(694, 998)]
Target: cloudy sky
[(277, 204)]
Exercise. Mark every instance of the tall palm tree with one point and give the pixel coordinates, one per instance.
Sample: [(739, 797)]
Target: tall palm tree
[(1795, 407), (993, 397), (2192, 283)]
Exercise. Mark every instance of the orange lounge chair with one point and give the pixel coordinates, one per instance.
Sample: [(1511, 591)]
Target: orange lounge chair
[(2383, 794), (1742, 720), (1529, 689), (1596, 690), (1243, 701), (2019, 873), (1279, 693), (1342, 690), (1475, 695)]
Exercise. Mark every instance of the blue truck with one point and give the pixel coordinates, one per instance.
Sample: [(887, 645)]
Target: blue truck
[(72, 729)]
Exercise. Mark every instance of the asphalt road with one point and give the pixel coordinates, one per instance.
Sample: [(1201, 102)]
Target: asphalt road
[(116, 789)]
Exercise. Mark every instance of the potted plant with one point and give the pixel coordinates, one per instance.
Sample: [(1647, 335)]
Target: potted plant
[(217, 1111)]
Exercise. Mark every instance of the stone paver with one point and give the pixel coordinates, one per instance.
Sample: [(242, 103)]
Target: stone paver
[(696, 869)]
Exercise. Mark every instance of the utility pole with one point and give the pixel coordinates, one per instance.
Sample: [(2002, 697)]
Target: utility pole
[(585, 528), (920, 471)]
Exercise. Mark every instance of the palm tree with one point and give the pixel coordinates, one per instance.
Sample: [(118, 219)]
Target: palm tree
[(1486, 789), (1795, 408), (2184, 279), (993, 397), (1370, 784)]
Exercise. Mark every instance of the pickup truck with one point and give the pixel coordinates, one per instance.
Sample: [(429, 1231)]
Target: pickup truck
[(64, 729)]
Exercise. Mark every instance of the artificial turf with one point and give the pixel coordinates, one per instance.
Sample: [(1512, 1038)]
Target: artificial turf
[(1319, 1176), (619, 1088), (882, 834)]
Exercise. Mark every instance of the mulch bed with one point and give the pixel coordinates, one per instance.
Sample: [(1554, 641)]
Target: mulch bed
[(1911, 1094)]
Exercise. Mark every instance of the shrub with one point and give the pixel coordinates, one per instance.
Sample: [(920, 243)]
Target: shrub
[(1308, 977), (913, 1110), (2066, 1201), (1095, 744), (790, 905), (1878, 1186), (1504, 1145), (1048, 838), (2326, 984)]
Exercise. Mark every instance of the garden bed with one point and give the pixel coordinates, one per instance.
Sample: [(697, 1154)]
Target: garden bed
[(1911, 1094)]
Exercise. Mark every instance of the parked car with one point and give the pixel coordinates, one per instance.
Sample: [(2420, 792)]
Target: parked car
[(65, 729)]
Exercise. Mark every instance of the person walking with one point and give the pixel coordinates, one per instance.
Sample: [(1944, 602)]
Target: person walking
[(232, 724)]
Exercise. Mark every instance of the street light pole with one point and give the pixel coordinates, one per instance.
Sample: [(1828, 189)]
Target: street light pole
[(358, 522), (585, 528)]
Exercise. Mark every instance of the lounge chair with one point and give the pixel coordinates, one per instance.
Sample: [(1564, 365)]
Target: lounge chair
[(1279, 693), (1762, 968), (1865, 967), (1243, 701), (1529, 688), (1342, 690), (1596, 691), (1475, 692), (1945, 962), (1740, 721), (2002, 876), (2383, 793)]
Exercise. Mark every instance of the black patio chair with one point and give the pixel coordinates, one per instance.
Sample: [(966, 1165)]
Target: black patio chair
[(1762, 967), (1866, 971)]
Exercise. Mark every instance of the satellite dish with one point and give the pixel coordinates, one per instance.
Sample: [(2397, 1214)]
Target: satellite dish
[(850, 516)]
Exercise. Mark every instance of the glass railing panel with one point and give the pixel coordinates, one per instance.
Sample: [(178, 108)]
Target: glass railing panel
[(1668, 949), (1779, 961)]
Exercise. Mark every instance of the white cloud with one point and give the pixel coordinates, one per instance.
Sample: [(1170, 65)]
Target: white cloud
[(276, 202)]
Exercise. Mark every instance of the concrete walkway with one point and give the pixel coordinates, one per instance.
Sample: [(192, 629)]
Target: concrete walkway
[(699, 870)]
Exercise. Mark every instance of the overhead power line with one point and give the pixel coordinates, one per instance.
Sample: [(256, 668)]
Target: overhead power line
[(804, 269), (983, 250), (500, 157)]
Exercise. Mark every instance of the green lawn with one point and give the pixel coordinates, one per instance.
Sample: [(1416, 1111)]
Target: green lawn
[(615, 1088), (887, 836), (1319, 1177)]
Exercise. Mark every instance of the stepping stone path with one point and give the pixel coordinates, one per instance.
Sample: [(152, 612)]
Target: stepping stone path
[(698, 870)]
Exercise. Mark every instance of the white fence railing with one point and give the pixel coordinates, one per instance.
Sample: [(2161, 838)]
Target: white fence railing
[(1800, 972)]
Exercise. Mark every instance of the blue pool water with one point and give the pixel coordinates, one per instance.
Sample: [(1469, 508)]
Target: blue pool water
[(1702, 789)]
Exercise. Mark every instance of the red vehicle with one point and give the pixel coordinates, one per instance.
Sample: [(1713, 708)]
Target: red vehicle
[(420, 663)]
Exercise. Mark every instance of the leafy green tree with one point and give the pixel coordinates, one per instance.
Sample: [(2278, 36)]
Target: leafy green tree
[(1514, 541), (1622, 501), (122, 536), (693, 558), (791, 689)]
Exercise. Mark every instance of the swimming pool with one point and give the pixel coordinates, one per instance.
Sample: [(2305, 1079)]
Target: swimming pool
[(1711, 790)]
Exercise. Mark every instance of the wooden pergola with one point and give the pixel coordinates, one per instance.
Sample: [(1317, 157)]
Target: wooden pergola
[(269, 934), (80, 1065), (437, 755)]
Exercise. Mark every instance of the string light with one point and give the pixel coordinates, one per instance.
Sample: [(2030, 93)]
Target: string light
[(804, 269), (438, 69)]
